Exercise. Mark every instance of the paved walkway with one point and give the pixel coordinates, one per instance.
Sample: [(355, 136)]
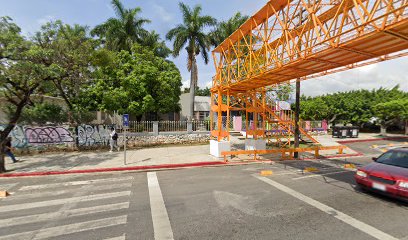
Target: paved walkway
[(87, 160), (71, 161)]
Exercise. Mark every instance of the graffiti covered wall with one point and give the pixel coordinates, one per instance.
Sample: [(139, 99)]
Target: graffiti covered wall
[(84, 135), (91, 135)]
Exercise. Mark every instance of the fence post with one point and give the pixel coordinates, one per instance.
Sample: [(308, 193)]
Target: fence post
[(189, 127), (155, 128)]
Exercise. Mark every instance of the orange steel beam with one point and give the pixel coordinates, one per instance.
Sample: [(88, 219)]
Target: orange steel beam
[(277, 45)]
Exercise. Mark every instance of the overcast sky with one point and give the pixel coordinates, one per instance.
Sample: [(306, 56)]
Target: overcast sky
[(165, 14)]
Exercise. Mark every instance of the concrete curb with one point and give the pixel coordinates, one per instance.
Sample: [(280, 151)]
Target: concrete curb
[(372, 140), (117, 169)]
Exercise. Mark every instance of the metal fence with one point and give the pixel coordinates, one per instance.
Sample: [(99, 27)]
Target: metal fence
[(201, 126), (169, 126), (143, 126), (172, 126)]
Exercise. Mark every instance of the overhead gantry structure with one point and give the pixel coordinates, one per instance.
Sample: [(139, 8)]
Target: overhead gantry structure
[(299, 39)]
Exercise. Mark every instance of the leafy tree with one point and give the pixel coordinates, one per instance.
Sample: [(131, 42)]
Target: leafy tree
[(24, 67), (137, 82), (224, 29), (314, 109), (199, 92), (357, 107), (42, 113), (391, 112), (72, 49), (192, 35), (158, 46), (122, 32), (280, 92)]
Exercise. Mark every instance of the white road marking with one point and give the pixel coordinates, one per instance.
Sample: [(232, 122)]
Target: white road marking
[(6, 187), (285, 173), (123, 237), (56, 215), (68, 229), (370, 230), (161, 222), (319, 175), (48, 203), (50, 193), (74, 183)]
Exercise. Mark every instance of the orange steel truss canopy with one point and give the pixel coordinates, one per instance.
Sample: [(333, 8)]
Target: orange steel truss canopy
[(300, 39)]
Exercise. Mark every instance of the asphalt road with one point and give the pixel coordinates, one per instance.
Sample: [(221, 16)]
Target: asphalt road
[(202, 203)]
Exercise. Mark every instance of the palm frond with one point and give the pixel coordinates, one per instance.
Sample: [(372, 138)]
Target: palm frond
[(186, 12), (120, 11)]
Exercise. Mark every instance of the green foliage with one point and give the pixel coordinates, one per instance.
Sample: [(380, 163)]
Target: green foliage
[(314, 109), (281, 92), (356, 107), (42, 113), (224, 29), (122, 32), (152, 40), (73, 51), (126, 29), (392, 111), (192, 36), (137, 82), (24, 67), (199, 91)]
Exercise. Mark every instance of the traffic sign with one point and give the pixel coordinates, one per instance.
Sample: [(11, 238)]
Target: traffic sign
[(126, 120)]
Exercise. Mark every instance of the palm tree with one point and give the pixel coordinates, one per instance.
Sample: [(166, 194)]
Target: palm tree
[(191, 34), (158, 46), (122, 32), (225, 29)]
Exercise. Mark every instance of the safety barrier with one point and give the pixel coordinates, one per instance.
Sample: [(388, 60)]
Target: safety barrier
[(283, 151)]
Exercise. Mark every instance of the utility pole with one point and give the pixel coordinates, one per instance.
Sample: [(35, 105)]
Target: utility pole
[(297, 101), (297, 110)]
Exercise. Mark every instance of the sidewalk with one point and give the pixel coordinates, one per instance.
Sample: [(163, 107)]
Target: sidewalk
[(160, 157), (73, 161)]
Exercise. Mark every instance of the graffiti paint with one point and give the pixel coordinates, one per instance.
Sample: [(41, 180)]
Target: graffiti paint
[(48, 135), (89, 135), (17, 135)]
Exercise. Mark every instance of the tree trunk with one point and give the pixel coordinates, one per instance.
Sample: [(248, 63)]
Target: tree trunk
[(406, 127), (193, 82), (383, 130), (2, 162)]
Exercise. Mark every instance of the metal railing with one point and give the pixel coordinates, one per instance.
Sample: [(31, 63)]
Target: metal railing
[(143, 126), (172, 126)]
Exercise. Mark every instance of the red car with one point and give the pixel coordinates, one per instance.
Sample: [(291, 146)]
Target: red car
[(388, 174)]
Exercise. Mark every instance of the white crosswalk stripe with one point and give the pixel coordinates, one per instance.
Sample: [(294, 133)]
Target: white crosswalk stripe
[(68, 229), (75, 183), (26, 194), (81, 206), (23, 206), (123, 237), (54, 215)]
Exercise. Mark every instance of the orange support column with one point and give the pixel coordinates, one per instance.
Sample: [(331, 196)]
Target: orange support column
[(219, 117)]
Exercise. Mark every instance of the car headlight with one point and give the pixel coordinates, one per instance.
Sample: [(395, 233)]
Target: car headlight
[(361, 173), (403, 184)]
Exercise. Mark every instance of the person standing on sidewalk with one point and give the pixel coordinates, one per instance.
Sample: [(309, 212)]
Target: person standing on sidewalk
[(8, 150), (113, 140)]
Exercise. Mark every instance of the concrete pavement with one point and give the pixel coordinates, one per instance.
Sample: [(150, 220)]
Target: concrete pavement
[(202, 203), (145, 158)]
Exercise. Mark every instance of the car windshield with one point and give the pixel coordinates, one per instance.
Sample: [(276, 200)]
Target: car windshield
[(395, 158)]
